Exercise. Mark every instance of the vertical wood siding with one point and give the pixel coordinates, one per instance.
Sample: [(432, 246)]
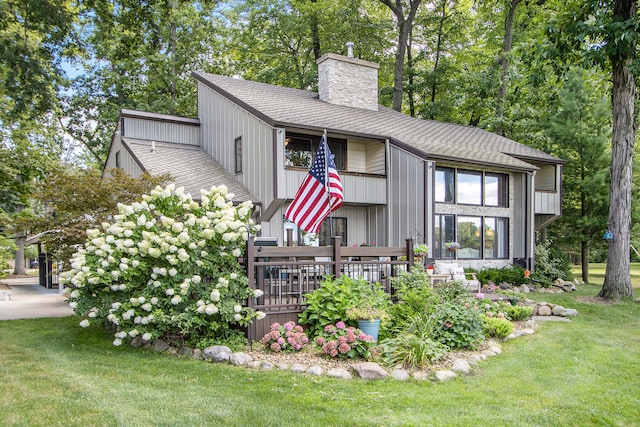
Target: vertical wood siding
[(161, 131), (406, 196), (222, 122), (127, 162)]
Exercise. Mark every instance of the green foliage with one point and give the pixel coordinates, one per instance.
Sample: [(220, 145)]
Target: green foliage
[(329, 303), (550, 264), (518, 312), (76, 201), (344, 342), (511, 274), (459, 325), (496, 327), (166, 267), (451, 290), (414, 346)]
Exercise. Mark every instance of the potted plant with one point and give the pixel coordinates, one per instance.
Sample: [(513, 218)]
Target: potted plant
[(452, 246), (420, 252), (370, 311)]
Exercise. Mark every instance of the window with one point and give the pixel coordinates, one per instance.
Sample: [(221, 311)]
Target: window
[(469, 187), (470, 237), (118, 162), (445, 185), (478, 237), (300, 149), (495, 189), (238, 151), (444, 232), (339, 229), (322, 238), (496, 238)]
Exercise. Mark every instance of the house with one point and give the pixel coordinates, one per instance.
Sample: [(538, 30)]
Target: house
[(402, 176)]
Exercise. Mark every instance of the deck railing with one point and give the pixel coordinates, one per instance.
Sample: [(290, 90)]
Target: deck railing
[(286, 273)]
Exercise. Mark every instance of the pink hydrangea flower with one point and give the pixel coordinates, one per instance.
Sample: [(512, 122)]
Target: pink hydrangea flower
[(340, 325)]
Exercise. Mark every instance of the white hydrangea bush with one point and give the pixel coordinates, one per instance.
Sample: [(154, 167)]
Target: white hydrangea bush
[(166, 268)]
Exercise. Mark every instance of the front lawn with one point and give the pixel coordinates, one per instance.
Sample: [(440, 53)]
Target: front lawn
[(582, 373)]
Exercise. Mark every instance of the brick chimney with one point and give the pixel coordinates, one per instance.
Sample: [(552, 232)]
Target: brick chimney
[(348, 81)]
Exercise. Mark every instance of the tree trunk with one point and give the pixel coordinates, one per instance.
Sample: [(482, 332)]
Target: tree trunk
[(315, 33), (584, 255), (410, 89), (504, 62), (18, 267), (434, 82), (617, 280), (405, 23)]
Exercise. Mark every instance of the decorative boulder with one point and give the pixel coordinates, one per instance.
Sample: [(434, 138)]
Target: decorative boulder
[(217, 353), (369, 371)]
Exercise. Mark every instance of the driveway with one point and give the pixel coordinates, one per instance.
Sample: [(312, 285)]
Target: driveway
[(28, 300)]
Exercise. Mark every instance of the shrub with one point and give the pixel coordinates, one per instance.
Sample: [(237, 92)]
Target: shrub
[(518, 312), (512, 274), (344, 341), (550, 264), (285, 338), (459, 325), (415, 345), (166, 268), (328, 304), (497, 327), (449, 291)]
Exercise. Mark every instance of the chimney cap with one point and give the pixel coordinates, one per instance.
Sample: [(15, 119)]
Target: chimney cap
[(350, 49)]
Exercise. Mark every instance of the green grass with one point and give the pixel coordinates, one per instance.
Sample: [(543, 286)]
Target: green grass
[(597, 270), (583, 373)]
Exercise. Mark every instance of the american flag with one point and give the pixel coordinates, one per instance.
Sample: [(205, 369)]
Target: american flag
[(313, 203)]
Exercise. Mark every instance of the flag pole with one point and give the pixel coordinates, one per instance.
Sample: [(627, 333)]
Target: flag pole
[(326, 181)]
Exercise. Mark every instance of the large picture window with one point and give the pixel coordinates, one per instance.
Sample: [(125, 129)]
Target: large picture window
[(445, 185), (468, 187), (478, 237), (300, 149)]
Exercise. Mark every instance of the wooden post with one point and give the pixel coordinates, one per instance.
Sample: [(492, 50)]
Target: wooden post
[(409, 243), (337, 257)]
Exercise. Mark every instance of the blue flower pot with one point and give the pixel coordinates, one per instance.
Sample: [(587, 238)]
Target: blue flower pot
[(370, 327)]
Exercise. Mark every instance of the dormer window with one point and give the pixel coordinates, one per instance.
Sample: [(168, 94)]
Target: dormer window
[(300, 149)]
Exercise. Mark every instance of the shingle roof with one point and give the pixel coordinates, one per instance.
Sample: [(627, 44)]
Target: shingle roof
[(191, 167), (282, 106)]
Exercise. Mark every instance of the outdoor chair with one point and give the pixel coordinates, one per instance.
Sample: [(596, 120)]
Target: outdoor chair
[(453, 272)]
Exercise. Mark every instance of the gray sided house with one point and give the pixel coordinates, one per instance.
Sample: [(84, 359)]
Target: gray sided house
[(402, 177)]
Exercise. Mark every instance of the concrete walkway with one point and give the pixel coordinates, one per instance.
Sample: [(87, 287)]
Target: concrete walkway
[(29, 300)]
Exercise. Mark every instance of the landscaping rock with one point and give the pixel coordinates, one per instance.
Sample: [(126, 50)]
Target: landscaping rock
[(528, 331), (266, 366), (420, 376), (495, 349), (531, 324), (340, 373), (369, 371), (254, 364), (524, 289), (569, 312), (515, 334), (315, 370), (217, 353), (557, 310), (474, 359), (399, 374), (461, 365), (489, 353), (444, 375), (544, 310), (136, 341), (185, 351), (240, 358), (198, 354), (298, 368), (160, 346), (283, 366)]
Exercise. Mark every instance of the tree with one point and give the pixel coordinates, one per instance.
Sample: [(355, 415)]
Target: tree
[(605, 33), (579, 131), (405, 13), (73, 201)]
